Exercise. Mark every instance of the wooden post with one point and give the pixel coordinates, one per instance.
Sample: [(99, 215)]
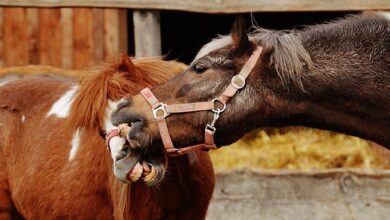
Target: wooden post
[(147, 34)]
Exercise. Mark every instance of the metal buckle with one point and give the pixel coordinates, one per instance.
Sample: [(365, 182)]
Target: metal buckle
[(218, 110), (161, 107), (211, 128), (238, 82)]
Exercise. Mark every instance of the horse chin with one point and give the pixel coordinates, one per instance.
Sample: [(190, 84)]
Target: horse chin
[(131, 166)]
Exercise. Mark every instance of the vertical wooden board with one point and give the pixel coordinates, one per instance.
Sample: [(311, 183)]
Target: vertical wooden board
[(50, 36), (15, 36), (98, 35), (111, 34), (147, 33), (82, 34), (123, 31), (1, 38), (32, 36), (67, 38)]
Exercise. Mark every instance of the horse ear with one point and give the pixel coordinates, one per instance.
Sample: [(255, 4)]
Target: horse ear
[(125, 64), (241, 43)]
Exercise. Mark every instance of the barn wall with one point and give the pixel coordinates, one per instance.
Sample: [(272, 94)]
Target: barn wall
[(63, 37)]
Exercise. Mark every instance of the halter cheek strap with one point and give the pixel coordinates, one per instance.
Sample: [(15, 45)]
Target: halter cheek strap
[(162, 110)]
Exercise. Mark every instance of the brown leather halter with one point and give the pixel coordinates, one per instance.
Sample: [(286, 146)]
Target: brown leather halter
[(162, 110)]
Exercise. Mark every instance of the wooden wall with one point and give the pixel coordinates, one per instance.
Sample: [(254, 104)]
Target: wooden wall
[(70, 38)]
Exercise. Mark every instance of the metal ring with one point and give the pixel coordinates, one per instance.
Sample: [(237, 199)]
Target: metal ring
[(161, 107), (241, 83), (218, 110)]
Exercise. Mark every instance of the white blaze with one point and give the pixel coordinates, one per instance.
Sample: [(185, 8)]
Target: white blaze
[(215, 44)]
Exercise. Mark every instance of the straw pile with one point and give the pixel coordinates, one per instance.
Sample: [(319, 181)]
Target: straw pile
[(299, 148)]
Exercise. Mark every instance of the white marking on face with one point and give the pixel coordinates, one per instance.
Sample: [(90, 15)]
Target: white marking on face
[(116, 145), (23, 118), (75, 143), (215, 44), (385, 14), (112, 105), (61, 107), (220, 60)]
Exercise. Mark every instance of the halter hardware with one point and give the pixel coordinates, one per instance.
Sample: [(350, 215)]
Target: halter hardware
[(161, 110)]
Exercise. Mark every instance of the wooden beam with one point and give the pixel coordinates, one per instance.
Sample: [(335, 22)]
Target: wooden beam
[(33, 33), (15, 37), (147, 34), (214, 6), (83, 39), (115, 32), (98, 35), (67, 37), (50, 37), (1, 38)]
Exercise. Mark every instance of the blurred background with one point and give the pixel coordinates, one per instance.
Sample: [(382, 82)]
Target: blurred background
[(54, 38), (78, 38)]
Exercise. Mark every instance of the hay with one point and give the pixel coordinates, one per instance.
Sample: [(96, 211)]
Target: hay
[(299, 148)]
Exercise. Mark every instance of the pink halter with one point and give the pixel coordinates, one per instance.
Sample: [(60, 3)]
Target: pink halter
[(162, 110)]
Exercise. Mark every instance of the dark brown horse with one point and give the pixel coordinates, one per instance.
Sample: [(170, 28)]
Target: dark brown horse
[(55, 165), (333, 76)]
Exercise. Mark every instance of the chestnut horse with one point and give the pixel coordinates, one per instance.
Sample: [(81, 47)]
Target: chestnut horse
[(333, 76), (55, 165)]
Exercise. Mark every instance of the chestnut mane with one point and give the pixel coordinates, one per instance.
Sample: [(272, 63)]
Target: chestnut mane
[(122, 77)]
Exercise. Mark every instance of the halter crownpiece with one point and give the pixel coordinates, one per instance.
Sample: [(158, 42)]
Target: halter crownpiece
[(161, 110)]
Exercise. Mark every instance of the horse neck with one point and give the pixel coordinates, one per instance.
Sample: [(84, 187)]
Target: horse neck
[(346, 89)]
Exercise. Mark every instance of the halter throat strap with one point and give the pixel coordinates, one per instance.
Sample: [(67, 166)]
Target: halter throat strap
[(162, 110)]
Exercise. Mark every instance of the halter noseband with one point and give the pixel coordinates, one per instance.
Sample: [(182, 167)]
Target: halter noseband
[(162, 110)]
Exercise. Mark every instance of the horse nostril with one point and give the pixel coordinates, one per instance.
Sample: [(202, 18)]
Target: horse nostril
[(118, 118), (123, 104)]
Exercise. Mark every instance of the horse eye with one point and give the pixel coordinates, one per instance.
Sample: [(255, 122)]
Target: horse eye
[(199, 68)]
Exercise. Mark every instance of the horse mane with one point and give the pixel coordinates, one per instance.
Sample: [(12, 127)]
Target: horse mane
[(287, 54), (116, 80)]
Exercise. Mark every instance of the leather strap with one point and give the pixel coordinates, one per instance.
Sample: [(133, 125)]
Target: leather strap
[(238, 81), (190, 107), (161, 110), (164, 133)]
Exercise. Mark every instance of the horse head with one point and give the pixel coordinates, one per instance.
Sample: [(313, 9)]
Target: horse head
[(97, 96), (209, 75), (318, 77)]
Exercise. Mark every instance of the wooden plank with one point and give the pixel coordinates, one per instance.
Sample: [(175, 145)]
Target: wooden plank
[(15, 37), (304, 195), (98, 35), (111, 33), (32, 34), (83, 39), (215, 6), (67, 37), (123, 31), (1, 38), (38, 70), (50, 36), (147, 33)]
